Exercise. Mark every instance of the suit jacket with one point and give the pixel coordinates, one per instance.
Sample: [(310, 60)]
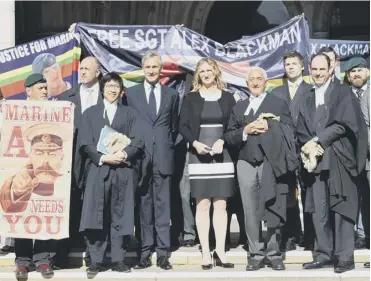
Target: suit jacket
[(190, 114), (279, 151), (73, 95), (341, 131), (284, 93), (159, 134), (120, 179), (365, 107)]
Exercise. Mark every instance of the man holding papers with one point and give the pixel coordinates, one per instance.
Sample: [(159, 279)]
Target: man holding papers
[(109, 180)]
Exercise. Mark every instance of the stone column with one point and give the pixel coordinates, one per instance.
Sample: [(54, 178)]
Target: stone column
[(7, 21)]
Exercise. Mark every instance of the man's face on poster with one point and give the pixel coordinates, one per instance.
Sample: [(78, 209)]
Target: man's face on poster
[(46, 164), (53, 76), (38, 91)]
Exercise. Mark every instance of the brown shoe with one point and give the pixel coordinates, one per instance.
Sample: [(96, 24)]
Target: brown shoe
[(46, 271), (21, 272)]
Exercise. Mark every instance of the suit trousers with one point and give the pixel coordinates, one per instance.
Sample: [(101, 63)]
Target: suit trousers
[(249, 178), (365, 208), (189, 230), (155, 213), (42, 252), (330, 226), (99, 239)]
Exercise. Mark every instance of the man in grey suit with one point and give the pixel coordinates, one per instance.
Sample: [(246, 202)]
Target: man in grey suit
[(357, 76), (83, 95), (330, 128), (291, 92), (157, 106)]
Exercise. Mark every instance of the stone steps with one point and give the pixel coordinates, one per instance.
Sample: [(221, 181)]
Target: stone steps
[(184, 272), (192, 256)]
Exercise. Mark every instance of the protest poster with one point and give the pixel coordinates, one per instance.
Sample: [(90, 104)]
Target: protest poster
[(35, 169), (120, 48), (56, 57), (345, 49)]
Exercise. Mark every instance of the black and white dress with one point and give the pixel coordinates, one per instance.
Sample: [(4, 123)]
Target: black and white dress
[(211, 176)]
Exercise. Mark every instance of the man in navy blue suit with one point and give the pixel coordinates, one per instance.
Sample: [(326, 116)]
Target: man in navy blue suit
[(157, 106)]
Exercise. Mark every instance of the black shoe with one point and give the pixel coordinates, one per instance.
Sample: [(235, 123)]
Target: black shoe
[(163, 263), (120, 267), (254, 265), (309, 247), (218, 262), (189, 243), (367, 265), (6, 250), (277, 265), (46, 271), (313, 265), (93, 270), (344, 266), (21, 273), (143, 263)]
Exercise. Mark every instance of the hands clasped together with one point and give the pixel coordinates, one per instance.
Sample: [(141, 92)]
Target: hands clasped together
[(115, 159), (203, 149), (256, 127)]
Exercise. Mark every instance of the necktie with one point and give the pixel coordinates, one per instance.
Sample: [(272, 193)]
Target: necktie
[(359, 93), (106, 116), (152, 103), (292, 90), (88, 100)]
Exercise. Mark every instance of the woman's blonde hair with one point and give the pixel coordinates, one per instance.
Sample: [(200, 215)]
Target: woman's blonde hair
[(197, 84)]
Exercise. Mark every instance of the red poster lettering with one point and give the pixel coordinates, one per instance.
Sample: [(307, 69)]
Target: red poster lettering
[(10, 219), (16, 142), (49, 223), (39, 224)]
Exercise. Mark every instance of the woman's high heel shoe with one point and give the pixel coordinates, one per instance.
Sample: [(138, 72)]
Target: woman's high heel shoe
[(224, 265), (208, 266)]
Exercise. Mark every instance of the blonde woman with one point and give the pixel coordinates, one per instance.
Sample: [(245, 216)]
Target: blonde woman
[(203, 120)]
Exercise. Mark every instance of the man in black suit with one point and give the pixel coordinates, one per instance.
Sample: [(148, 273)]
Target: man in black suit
[(333, 56), (357, 73), (333, 139), (263, 166), (157, 106), (83, 95), (291, 92)]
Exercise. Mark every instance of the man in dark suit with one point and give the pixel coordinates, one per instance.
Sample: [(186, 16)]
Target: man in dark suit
[(291, 92), (263, 166), (157, 106), (83, 95), (357, 73), (333, 136), (334, 58)]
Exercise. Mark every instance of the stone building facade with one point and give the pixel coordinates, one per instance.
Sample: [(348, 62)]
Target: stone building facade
[(222, 21)]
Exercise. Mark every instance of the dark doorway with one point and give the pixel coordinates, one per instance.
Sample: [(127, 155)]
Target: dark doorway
[(230, 20), (350, 20)]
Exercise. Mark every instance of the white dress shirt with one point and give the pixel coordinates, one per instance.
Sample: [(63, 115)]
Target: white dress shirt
[(111, 109), (148, 88), (88, 96), (320, 93), (354, 89), (254, 105), (298, 82)]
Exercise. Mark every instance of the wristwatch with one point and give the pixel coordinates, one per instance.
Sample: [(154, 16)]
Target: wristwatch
[(315, 139)]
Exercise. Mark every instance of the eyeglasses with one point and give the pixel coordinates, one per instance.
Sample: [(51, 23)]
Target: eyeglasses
[(112, 87)]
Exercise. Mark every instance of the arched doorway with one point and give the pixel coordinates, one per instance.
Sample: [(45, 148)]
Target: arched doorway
[(230, 20), (350, 20)]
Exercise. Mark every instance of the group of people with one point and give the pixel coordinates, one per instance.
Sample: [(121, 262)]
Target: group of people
[(261, 148)]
